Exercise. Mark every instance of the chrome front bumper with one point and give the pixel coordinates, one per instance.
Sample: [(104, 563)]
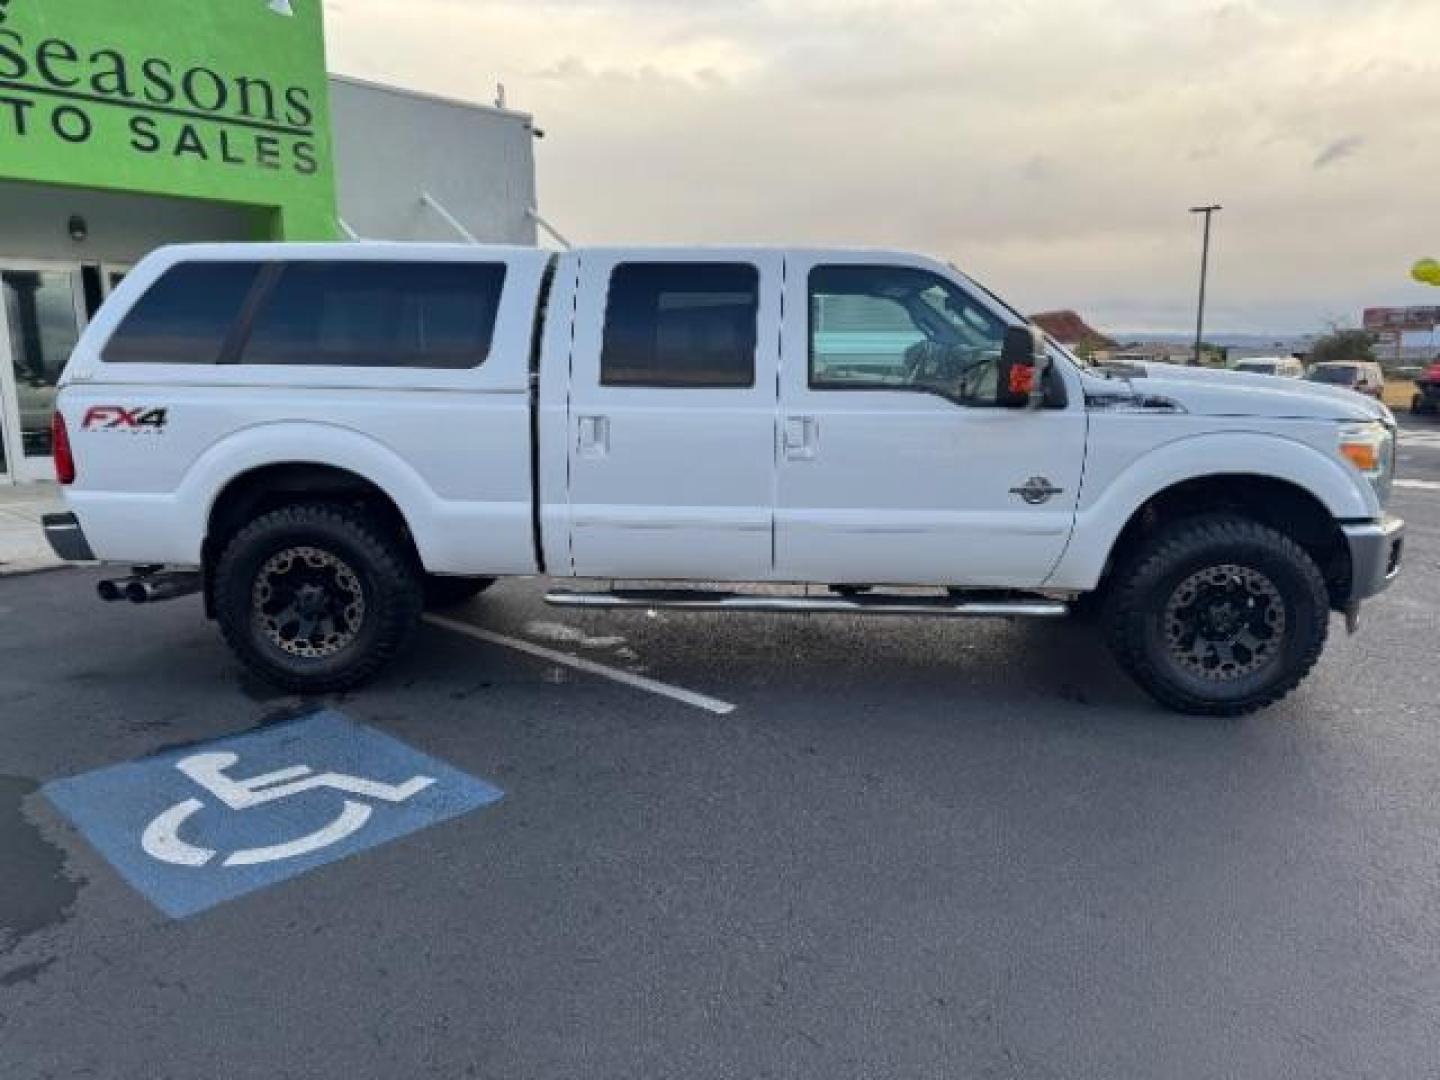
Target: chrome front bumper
[(1376, 550)]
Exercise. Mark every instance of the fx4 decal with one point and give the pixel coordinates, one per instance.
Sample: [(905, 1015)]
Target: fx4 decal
[(117, 418)]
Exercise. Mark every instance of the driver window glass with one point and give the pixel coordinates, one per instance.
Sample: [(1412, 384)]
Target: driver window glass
[(898, 328)]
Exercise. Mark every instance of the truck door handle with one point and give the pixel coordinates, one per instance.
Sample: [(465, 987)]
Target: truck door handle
[(593, 436), (802, 433)]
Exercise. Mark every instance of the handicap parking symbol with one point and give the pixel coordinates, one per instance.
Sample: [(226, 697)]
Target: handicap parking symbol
[(196, 827)]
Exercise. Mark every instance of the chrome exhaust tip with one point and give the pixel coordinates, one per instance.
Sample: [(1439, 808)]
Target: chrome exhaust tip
[(112, 590), (161, 587)]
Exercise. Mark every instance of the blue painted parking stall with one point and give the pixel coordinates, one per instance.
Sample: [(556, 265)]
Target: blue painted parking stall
[(199, 826)]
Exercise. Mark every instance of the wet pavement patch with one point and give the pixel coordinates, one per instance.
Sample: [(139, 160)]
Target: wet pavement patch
[(35, 892), (199, 825), (25, 973)]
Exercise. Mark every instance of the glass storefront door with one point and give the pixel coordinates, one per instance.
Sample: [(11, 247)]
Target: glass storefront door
[(42, 313)]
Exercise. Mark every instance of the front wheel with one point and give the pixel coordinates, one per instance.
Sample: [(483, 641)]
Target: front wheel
[(316, 598), (1218, 616)]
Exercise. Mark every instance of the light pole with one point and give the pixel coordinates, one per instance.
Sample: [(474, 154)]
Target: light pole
[(1208, 211)]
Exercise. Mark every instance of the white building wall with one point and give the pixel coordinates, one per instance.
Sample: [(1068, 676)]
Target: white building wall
[(392, 146)]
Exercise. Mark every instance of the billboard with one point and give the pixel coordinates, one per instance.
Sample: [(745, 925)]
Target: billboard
[(1399, 320), (225, 100)]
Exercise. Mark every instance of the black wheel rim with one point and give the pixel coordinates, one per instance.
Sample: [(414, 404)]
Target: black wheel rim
[(1224, 623), (308, 603)]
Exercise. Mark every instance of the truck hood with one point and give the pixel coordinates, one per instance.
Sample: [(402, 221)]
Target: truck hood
[(1215, 392)]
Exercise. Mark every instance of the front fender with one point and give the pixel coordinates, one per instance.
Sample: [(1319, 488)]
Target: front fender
[(1107, 506)]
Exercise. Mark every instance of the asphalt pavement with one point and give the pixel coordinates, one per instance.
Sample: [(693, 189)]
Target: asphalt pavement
[(911, 849), (1419, 448)]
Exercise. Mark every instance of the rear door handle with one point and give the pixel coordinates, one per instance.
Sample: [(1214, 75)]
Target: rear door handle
[(802, 434), (593, 436)]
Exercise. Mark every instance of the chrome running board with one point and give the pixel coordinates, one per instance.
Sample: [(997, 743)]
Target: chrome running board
[(862, 604)]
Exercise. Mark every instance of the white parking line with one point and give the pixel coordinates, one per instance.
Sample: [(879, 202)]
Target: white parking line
[(579, 663), (1419, 485)]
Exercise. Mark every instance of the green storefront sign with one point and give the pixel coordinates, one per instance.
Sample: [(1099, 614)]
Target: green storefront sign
[(224, 100)]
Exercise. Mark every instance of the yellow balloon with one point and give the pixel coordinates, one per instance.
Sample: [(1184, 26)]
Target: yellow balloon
[(1426, 271)]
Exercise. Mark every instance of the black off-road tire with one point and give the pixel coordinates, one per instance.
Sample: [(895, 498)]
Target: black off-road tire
[(389, 581), (1143, 587), (448, 592), (1088, 609)]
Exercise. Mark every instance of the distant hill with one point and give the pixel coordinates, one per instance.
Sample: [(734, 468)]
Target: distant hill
[(1282, 344), (1068, 328)]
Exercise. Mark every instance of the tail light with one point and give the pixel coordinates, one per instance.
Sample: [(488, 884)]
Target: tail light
[(60, 449)]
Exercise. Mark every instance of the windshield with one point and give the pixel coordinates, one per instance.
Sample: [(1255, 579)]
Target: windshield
[(1258, 369), (1056, 347), (1338, 375)]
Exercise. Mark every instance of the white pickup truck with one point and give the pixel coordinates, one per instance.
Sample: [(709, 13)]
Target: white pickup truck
[(325, 438)]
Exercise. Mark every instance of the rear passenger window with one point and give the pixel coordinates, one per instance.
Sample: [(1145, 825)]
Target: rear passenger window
[(378, 314), (185, 317), (681, 325)]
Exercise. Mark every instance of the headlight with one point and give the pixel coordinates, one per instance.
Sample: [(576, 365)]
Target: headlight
[(1371, 449)]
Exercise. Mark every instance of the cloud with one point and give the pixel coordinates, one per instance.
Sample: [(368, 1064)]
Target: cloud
[(1339, 150), (1050, 146)]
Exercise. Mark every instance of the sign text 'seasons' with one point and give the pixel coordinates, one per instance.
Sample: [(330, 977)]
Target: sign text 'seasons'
[(62, 90)]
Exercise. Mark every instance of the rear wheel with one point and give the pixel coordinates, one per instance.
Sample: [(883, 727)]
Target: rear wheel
[(315, 598), (1218, 616)]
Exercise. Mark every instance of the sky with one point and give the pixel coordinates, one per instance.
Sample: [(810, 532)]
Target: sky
[(1051, 148)]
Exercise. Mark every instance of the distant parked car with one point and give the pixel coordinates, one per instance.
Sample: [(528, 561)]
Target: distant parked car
[(1362, 377), (1427, 392), (1287, 367)]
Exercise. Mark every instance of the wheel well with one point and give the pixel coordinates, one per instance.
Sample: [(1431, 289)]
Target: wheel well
[(1278, 504), (259, 491)]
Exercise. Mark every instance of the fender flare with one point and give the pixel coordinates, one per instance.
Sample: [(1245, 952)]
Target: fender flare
[(1336, 485)]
